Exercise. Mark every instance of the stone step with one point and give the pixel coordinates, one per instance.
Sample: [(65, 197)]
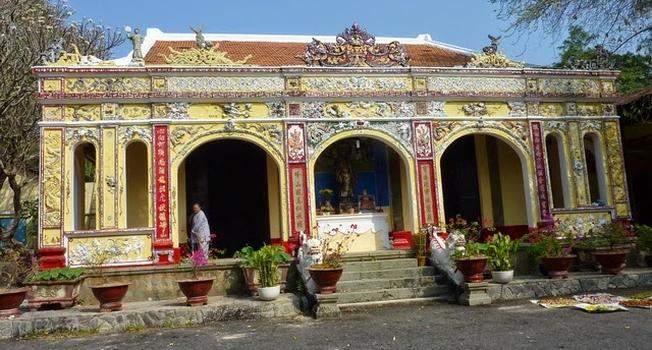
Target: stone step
[(378, 255), (391, 294), (380, 264), (372, 284), (388, 273), (349, 307)]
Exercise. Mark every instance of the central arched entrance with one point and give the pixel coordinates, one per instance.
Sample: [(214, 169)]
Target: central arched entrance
[(364, 186), (483, 180), (237, 183)]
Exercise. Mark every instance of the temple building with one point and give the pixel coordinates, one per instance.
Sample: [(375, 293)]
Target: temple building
[(278, 135)]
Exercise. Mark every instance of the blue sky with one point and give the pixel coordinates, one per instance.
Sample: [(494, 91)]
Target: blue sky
[(464, 23)]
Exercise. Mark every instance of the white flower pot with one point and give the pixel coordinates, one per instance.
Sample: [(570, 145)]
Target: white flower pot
[(502, 276), (269, 293)]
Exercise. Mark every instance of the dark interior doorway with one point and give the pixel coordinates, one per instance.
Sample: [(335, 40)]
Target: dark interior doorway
[(459, 180), (229, 179)]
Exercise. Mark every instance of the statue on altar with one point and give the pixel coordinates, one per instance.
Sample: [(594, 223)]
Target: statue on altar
[(344, 177), (366, 202)]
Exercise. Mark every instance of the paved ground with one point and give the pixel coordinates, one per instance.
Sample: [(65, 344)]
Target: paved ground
[(507, 326)]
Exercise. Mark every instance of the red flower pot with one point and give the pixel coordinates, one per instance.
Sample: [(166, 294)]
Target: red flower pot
[(196, 291), (556, 267), (325, 279), (611, 261), (10, 302), (110, 295), (472, 269)]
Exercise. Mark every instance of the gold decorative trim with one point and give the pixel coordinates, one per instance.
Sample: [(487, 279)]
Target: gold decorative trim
[(202, 57)]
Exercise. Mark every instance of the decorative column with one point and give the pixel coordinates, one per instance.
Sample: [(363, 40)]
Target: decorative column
[(108, 175), (616, 166), (162, 251), (297, 180), (541, 176), (426, 173), (51, 252)]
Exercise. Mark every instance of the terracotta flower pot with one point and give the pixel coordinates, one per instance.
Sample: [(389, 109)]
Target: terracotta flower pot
[(611, 261), (196, 290), (10, 302), (110, 295), (325, 279), (251, 280), (59, 294), (556, 267), (421, 261), (472, 269)]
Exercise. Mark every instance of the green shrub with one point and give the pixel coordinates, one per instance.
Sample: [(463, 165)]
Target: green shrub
[(644, 240), (266, 261), (60, 274), (471, 249), (501, 251)]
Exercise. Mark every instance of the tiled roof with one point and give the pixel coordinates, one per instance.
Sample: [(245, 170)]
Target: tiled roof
[(289, 53)]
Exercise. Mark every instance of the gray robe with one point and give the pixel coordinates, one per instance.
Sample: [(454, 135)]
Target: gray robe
[(199, 229)]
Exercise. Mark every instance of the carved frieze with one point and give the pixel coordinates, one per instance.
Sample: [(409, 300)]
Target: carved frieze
[(569, 87), (105, 85), (475, 109), (226, 84), (135, 111), (52, 180), (319, 132), (476, 85), (83, 251), (82, 112), (354, 84), (130, 132), (199, 56), (517, 109), (75, 135), (276, 109)]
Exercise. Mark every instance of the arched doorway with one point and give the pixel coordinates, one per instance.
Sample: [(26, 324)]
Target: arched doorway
[(238, 185), (483, 180), (362, 185)]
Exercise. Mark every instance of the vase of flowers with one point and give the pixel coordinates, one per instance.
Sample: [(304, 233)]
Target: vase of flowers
[(196, 289), (327, 273)]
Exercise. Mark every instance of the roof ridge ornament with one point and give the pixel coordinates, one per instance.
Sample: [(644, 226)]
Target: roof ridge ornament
[(491, 57), (355, 47), (197, 56), (75, 58)]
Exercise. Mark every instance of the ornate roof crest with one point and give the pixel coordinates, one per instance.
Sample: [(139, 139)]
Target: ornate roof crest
[(202, 56), (491, 57), (75, 58), (355, 47)]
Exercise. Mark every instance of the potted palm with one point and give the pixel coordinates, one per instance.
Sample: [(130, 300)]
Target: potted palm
[(109, 295), (266, 261), (553, 253), (54, 287), (471, 261), (13, 269), (328, 272), (248, 271), (502, 250), (196, 289), (644, 242), (612, 247)]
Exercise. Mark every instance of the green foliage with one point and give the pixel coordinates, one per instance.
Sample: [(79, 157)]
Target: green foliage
[(605, 236), (644, 240), (471, 250), (635, 69), (546, 244), (266, 261), (245, 254), (60, 274), (501, 251), (16, 263)]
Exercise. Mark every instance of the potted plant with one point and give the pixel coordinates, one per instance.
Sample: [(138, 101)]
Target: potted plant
[(644, 242), (54, 287), (13, 269), (196, 289), (266, 261), (502, 250), (471, 261), (552, 252), (420, 241), (248, 271), (109, 295), (612, 247), (328, 272)]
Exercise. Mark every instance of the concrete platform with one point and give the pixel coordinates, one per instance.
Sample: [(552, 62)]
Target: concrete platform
[(87, 319)]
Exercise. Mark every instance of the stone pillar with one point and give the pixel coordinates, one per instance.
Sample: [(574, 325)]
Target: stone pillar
[(162, 251), (51, 250), (107, 175), (576, 147), (616, 169), (541, 175), (297, 180), (426, 173)]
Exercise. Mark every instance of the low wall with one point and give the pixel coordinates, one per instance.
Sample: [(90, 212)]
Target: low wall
[(150, 283)]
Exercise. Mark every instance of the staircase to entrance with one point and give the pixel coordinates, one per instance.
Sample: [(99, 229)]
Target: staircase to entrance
[(387, 277)]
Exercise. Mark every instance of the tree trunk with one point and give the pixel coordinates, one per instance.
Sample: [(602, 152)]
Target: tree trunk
[(18, 208)]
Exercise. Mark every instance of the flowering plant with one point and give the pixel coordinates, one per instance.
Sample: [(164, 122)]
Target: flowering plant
[(333, 249), (545, 242), (196, 260), (460, 226)]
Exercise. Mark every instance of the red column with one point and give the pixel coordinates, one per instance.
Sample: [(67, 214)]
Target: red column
[(162, 241), (541, 175), (427, 186), (297, 180)]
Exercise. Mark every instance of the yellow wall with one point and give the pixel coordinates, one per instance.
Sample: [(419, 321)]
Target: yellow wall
[(274, 205), (137, 178), (484, 181), (511, 183), (182, 217)]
